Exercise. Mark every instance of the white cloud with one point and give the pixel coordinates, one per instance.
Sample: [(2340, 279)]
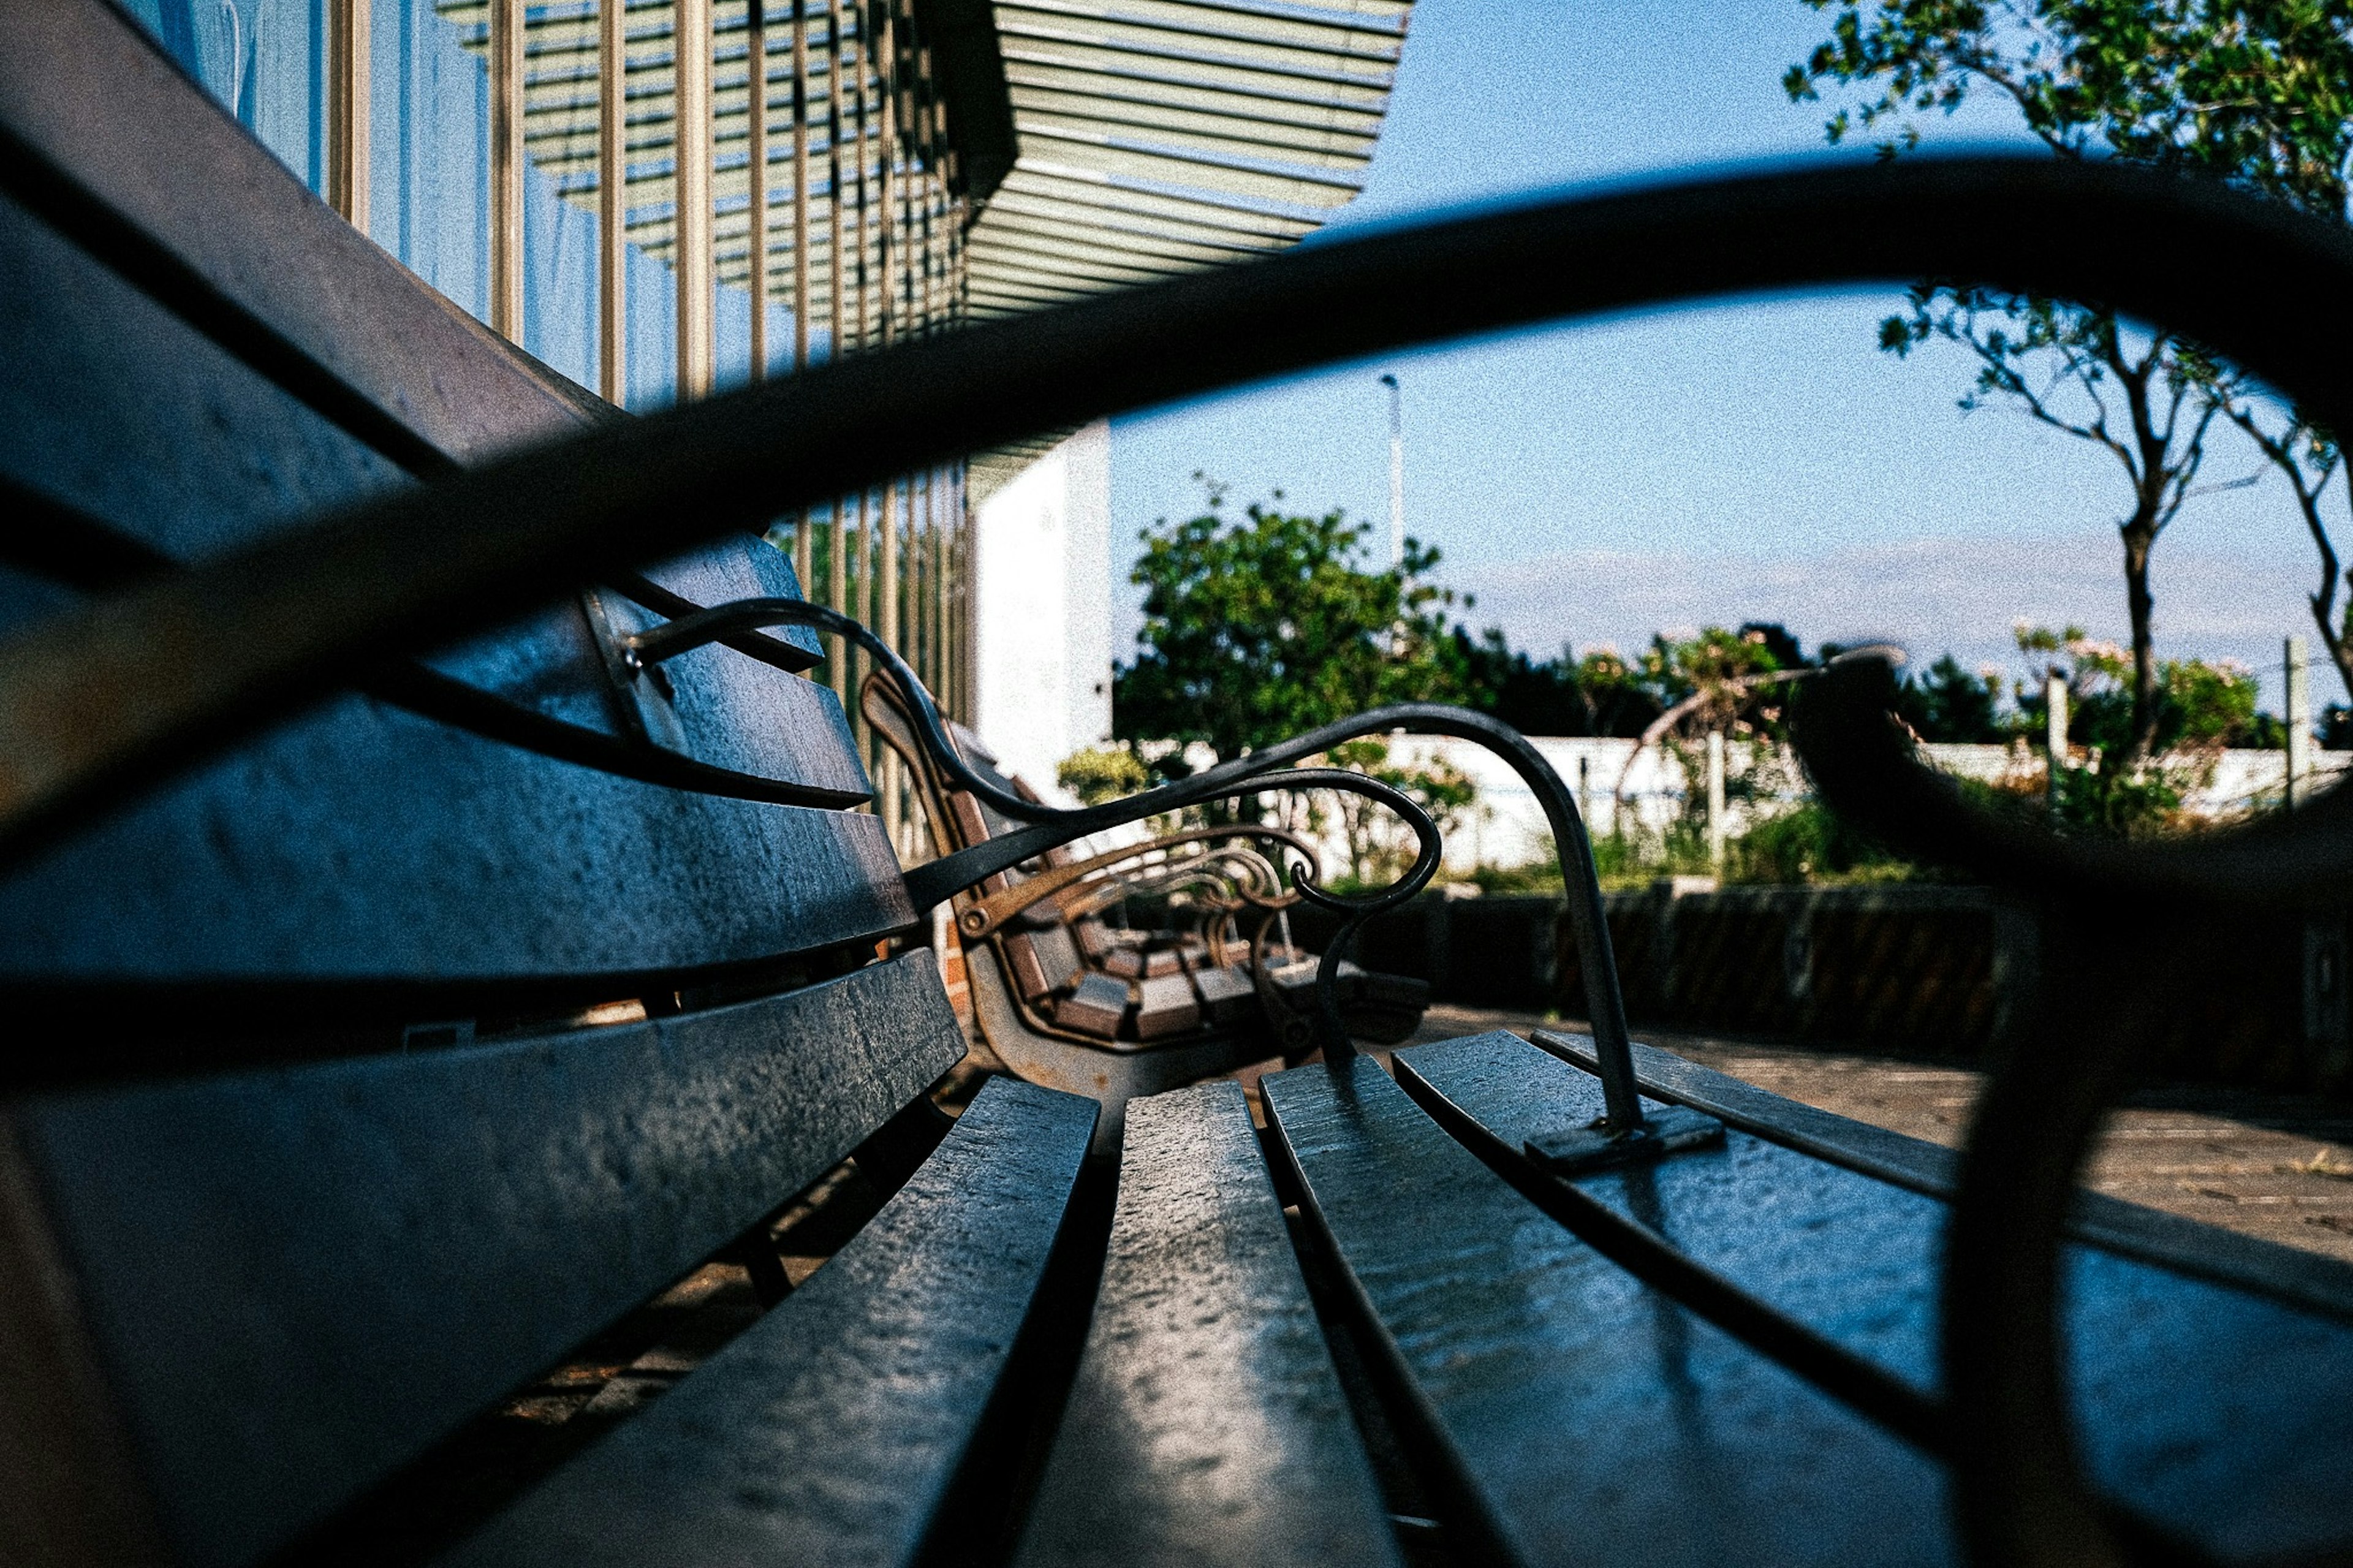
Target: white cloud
[(1962, 595)]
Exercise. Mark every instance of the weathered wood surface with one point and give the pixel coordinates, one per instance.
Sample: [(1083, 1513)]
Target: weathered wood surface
[(369, 848), (86, 87), (124, 412), (2317, 1282), (1583, 1417), (2210, 1410), (1207, 1424), (298, 1279), (829, 1433)]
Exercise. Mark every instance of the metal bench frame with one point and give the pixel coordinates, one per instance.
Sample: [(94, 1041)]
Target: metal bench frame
[(154, 675)]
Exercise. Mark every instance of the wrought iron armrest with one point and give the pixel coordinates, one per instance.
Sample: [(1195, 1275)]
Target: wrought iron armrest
[(1622, 1133), (986, 915)]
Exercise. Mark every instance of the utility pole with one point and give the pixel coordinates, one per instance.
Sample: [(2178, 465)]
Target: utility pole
[(1396, 472), (2054, 728), (2299, 724)]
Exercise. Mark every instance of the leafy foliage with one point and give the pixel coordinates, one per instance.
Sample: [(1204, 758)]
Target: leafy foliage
[(1259, 627), (1101, 773), (1380, 847), (1947, 703), (2256, 91), (1809, 844)]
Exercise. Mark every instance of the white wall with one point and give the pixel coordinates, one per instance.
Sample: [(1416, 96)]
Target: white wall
[(1042, 617), (1506, 827)]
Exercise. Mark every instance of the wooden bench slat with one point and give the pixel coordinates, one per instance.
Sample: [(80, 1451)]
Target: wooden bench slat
[(2206, 1409), (2307, 1279), (367, 847), (829, 1433), (1586, 1418), (125, 414), (1207, 1424), (119, 409), (83, 83), (298, 1279)]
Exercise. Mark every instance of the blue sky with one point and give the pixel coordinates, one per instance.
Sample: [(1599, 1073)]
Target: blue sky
[(1593, 484)]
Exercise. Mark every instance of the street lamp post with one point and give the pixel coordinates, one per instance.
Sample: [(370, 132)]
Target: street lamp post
[(1396, 471)]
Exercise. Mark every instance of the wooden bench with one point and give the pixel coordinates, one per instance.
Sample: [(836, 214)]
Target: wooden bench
[(376, 1075), (1054, 1001)]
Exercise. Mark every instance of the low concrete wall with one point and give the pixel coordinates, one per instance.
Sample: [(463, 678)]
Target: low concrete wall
[(1910, 970)]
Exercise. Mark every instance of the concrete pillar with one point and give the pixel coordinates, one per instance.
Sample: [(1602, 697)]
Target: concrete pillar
[(2299, 724)]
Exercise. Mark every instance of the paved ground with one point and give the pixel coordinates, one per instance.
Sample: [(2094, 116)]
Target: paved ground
[(2278, 1166)]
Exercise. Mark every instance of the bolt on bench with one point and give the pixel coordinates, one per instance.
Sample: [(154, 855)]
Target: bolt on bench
[(406, 988)]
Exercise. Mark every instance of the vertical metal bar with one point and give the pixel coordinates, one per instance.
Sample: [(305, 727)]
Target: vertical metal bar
[(947, 599), (348, 99), (691, 139), (612, 194), (755, 105), (888, 627), (802, 543), (869, 601), (836, 285), (506, 168), (886, 60), (837, 588), (865, 189), (836, 215), (800, 186), (919, 578), (935, 524)]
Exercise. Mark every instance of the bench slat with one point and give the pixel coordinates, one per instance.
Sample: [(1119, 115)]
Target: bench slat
[(829, 1433), (368, 847), (119, 409), (1207, 1424), (1587, 1418), (81, 82), (2211, 1411), (298, 1279)]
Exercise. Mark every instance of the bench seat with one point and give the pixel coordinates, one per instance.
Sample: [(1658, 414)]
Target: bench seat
[(831, 1431)]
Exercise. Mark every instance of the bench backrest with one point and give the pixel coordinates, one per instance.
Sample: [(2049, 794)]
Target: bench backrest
[(306, 1156)]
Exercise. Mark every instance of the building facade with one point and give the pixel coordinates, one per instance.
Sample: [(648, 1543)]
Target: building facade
[(662, 199)]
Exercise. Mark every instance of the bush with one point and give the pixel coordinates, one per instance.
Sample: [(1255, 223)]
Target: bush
[(1102, 772), (1809, 844)]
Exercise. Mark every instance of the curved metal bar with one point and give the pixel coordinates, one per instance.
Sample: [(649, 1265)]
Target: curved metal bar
[(2021, 1494), (1256, 868), (1864, 766), (1051, 826), (106, 697), (936, 880), (984, 915)]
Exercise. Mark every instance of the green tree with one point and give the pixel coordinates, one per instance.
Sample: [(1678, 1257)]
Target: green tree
[(1596, 695), (1947, 703), (1380, 847), (1257, 627), (2257, 91)]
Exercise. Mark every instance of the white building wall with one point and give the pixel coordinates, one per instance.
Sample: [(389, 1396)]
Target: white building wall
[(1042, 612)]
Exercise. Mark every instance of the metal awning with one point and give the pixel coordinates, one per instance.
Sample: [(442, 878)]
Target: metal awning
[(1152, 137), (1157, 136)]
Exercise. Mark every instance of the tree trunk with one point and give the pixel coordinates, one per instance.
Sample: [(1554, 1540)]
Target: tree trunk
[(2140, 533)]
